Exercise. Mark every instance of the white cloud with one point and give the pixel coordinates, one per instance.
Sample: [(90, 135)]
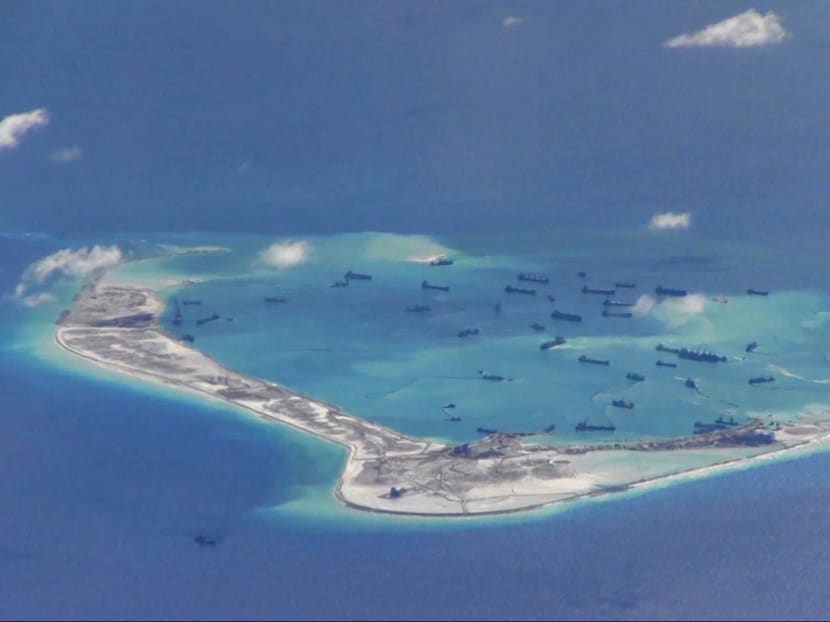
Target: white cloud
[(65, 263), (36, 300), (67, 154), (243, 167), (15, 126), (670, 220), (674, 312), (749, 29), (512, 21), (286, 254)]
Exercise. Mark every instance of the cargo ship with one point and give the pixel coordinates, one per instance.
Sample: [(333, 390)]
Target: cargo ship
[(607, 313), (205, 320), (570, 317), (274, 299), (668, 291), (340, 284), (623, 404), (756, 292), (441, 261), (588, 359), (467, 332), (616, 303), (761, 379), (486, 431), (625, 285), (635, 377), (418, 309), (594, 290), (533, 278), (720, 423), (547, 345), (510, 289), (427, 285), (664, 364), (488, 376), (700, 356), (537, 327), (584, 426), (357, 276)]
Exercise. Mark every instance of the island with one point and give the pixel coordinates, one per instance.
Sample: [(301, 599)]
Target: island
[(117, 326)]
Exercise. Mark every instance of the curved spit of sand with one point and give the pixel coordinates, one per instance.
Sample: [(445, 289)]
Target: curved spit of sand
[(117, 326)]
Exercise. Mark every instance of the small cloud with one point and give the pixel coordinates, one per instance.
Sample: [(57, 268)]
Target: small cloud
[(286, 254), (512, 21), (35, 300), (15, 126), (749, 29), (243, 167), (66, 155), (670, 220), (65, 263), (673, 312)]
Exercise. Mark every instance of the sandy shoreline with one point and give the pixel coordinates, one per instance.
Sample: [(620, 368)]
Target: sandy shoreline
[(116, 327)]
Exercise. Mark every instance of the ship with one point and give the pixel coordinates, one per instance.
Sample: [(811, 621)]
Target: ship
[(510, 289), (547, 345), (623, 404), (537, 327), (690, 383), (441, 261), (720, 423), (663, 348), (357, 276), (607, 313), (177, 316), (625, 285), (191, 301), (417, 309), (635, 377), (594, 290), (584, 426), (188, 338), (340, 284), (274, 299), (570, 317), (664, 364), (467, 332), (533, 278), (488, 376), (700, 355), (205, 320), (486, 431), (668, 291), (551, 298), (751, 347), (581, 274), (427, 285), (588, 359), (616, 303), (761, 379), (756, 292)]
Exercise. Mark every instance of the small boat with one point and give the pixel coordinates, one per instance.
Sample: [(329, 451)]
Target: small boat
[(635, 377), (761, 379), (623, 404), (441, 261), (588, 359)]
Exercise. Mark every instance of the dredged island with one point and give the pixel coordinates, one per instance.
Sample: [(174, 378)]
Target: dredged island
[(117, 326)]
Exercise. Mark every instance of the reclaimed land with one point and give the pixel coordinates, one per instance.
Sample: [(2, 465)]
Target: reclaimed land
[(116, 325)]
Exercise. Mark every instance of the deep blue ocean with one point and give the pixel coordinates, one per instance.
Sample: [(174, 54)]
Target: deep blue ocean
[(106, 483)]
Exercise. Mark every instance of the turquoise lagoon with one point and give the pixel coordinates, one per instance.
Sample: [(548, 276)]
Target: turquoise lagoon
[(358, 348)]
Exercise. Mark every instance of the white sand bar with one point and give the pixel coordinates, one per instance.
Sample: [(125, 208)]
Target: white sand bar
[(117, 326)]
